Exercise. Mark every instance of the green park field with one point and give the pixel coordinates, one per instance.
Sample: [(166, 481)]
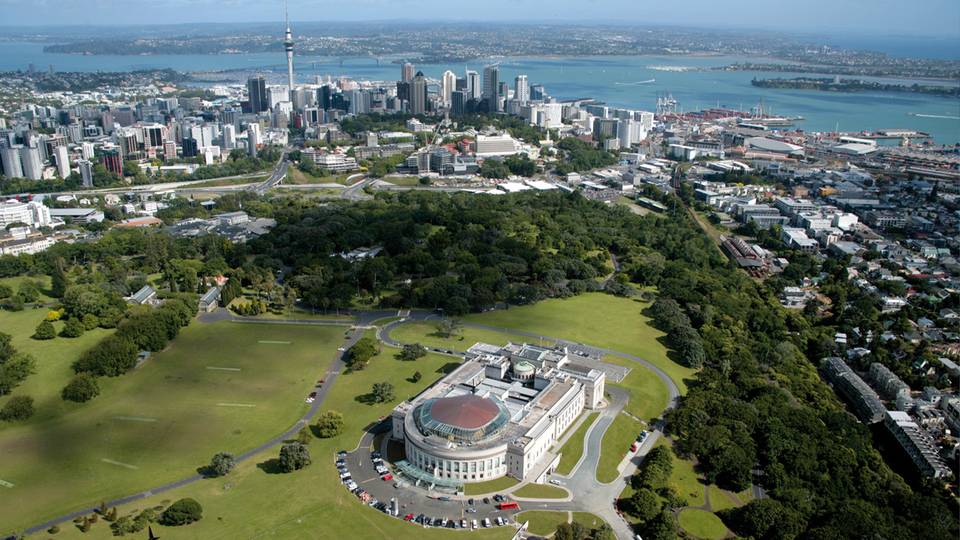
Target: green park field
[(616, 442), (541, 491), (595, 319), (425, 333), (311, 503), (572, 451), (219, 387)]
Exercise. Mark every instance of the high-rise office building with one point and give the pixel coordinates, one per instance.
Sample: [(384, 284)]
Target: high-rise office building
[(324, 97), (86, 172), (10, 155), (229, 136), (253, 139), (86, 150), (32, 165), (491, 87), (521, 89), (473, 85), (62, 159), (418, 94), (406, 72), (458, 103), (257, 93), (112, 161), (537, 92), (447, 85)]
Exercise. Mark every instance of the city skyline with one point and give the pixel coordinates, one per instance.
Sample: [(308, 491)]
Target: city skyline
[(865, 18)]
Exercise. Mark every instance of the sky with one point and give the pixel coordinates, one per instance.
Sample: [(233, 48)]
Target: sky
[(884, 17)]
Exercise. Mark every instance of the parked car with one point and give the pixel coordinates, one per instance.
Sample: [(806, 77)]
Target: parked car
[(486, 522), (463, 524), (486, 500), (474, 523), (408, 517), (556, 482)]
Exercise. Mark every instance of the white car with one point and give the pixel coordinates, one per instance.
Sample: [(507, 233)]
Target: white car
[(474, 523), (556, 482), (486, 522), (309, 400)]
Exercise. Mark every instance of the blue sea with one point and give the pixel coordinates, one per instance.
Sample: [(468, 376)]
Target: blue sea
[(627, 81)]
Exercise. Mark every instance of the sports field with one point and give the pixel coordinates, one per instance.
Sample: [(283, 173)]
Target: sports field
[(311, 503), (218, 387), (594, 319)]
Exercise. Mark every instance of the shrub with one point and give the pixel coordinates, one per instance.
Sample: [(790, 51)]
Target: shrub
[(44, 331), (73, 329), (14, 369), (17, 409), (182, 512), (90, 321), (82, 388), (53, 315)]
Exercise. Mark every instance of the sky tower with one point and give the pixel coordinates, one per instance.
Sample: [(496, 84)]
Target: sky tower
[(288, 45)]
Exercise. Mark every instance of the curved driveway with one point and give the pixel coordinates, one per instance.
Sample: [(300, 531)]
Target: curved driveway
[(591, 495)]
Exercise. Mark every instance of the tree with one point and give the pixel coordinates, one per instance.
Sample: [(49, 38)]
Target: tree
[(449, 327), (14, 370), (330, 424), (29, 291), (60, 281), (182, 512), (293, 457), (382, 392), (412, 352), (360, 354), (604, 532), (303, 436), (643, 504), (417, 376), (44, 331), (73, 328), (82, 388), (114, 355), (221, 464), (18, 408)]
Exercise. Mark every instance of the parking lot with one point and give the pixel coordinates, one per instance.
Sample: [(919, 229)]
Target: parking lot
[(384, 490)]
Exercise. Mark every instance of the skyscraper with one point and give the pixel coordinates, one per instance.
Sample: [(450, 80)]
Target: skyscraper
[(288, 45), (32, 166), (86, 172), (62, 159), (448, 84), (473, 85), (418, 94), (257, 92), (537, 92), (491, 87), (521, 89), (406, 72), (11, 161), (112, 161), (458, 103)]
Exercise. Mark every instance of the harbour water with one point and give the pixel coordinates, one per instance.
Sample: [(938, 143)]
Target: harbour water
[(627, 81)]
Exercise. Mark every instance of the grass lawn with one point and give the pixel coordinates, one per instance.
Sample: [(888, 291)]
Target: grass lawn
[(590, 520), (541, 491), (616, 444), (572, 451), (219, 182), (648, 393), (311, 503), (687, 482), (702, 524), (491, 486), (425, 333), (162, 421), (595, 319), (542, 522), (53, 359), (297, 177), (403, 180)]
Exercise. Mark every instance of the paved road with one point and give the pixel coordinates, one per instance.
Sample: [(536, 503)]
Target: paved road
[(330, 377), (591, 495)]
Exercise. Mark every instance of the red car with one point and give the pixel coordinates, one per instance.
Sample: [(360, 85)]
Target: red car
[(387, 477), (633, 447), (408, 517)]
